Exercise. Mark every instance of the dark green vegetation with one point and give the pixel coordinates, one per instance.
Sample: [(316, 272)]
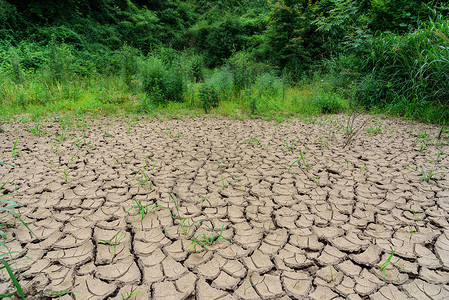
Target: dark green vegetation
[(259, 58)]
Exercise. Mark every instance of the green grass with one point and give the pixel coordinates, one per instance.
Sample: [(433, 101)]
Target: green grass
[(383, 267), (114, 243), (10, 206), (142, 209), (61, 293)]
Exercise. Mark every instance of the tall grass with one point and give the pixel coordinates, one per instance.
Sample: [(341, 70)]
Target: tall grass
[(408, 74)]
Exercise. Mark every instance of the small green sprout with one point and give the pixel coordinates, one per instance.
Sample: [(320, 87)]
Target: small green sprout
[(142, 209), (291, 146), (62, 292), (411, 229), (128, 295), (114, 243), (333, 275), (213, 236), (15, 152), (224, 183), (384, 266), (65, 174)]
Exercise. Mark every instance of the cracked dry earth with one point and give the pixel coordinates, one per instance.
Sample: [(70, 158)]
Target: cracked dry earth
[(295, 232)]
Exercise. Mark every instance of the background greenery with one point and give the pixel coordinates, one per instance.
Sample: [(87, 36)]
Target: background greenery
[(258, 57)]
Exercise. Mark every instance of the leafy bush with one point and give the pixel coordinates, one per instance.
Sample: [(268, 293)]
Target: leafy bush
[(269, 84), (222, 81), (129, 65), (58, 64), (208, 96), (327, 102), (413, 65), (253, 105), (160, 82)]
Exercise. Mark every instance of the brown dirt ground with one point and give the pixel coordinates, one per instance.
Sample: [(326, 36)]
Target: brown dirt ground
[(288, 227)]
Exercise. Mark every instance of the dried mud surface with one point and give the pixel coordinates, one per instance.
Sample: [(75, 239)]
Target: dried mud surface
[(340, 211)]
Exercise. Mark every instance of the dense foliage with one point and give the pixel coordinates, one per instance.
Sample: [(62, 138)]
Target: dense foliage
[(388, 54)]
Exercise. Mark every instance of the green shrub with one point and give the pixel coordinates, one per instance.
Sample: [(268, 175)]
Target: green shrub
[(15, 69), (208, 96), (129, 66), (58, 64), (253, 105), (196, 67), (327, 103), (160, 82), (268, 84), (222, 81)]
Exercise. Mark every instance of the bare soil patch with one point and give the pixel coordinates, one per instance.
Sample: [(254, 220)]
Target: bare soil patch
[(265, 211)]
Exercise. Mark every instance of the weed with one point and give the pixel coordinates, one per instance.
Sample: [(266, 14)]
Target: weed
[(373, 130), (38, 130), (13, 279), (142, 209), (10, 207), (422, 147), (114, 244), (62, 136), (62, 292), (324, 144), (252, 140), (192, 247), (55, 148), (291, 146), (315, 179), (362, 168), (185, 224), (351, 130), (107, 134), (65, 175), (212, 237), (427, 175), (128, 295), (411, 229), (73, 159), (301, 162), (384, 266), (224, 183), (415, 213), (253, 285), (143, 178), (332, 275), (15, 152)]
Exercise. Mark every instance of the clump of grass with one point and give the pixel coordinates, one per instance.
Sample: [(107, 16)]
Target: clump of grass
[(63, 136), (65, 174), (290, 146), (38, 130), (143, 179), (9, 206), (185, 224), (142, 209), (302, 163), (206, 239), (212, 237), (427, 175)]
